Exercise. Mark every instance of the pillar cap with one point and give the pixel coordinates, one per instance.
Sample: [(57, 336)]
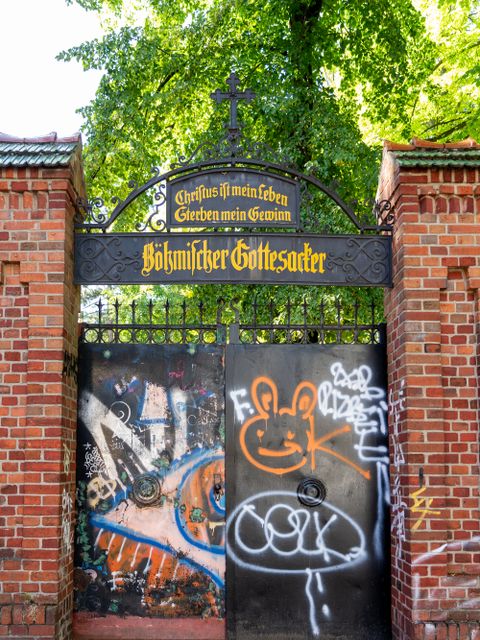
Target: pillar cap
[(43, 151), (425, 153)]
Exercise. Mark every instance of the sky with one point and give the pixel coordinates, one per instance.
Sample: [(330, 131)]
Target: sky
[(39, 94)]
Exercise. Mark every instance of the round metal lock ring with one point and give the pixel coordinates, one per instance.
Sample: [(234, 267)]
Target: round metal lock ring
[(146, 490), (311, 492)]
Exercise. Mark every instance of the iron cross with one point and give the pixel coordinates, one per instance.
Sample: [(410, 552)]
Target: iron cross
[(234, 96)]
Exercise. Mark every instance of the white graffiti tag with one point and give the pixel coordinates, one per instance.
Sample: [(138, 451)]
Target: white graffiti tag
[(351, 397), (399, 506), (396, 405), (309, 539), (94, 463), (67, 532)]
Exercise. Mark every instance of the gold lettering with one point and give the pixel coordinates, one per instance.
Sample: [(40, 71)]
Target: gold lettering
[(322, 257), (180, 196), (283, 260), (180, 213), (239, 257), (198, 256), (292, 261), (148, 259)]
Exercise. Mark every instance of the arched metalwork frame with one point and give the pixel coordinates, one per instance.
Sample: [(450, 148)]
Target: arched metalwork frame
[(97, 219)]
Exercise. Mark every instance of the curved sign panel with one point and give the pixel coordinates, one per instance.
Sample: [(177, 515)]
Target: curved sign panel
[(231, 197)]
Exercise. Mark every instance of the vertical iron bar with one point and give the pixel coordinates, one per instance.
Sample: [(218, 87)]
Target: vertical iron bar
[(167, 321), (100, 330), (321, 326), (382, 333), (234, 335), (201, 332), (150, 321), (305, 330), (272, 333), (221, 332), (373, 329), (339, 331), (116, 330), (289, 330), (184, 321), (355, 322), (134, 321)]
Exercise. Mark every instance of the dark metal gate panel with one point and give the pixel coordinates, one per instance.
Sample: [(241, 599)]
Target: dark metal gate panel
[(150, 489), (307, 499)]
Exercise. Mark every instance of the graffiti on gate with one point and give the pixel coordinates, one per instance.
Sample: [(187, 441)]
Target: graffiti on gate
[(262, 542), (151, 493), (268, 532), (346, 398)]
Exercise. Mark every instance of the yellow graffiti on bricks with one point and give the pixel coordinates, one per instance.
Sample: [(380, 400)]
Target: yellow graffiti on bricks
[(422, 506)]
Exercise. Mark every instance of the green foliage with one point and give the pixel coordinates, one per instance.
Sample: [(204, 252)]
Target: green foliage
[(331, 77), (82, 535)]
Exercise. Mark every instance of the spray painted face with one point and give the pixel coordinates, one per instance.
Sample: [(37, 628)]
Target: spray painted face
[(278, 439)]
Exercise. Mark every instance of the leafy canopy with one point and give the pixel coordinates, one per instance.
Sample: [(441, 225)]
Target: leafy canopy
[(331, 77)]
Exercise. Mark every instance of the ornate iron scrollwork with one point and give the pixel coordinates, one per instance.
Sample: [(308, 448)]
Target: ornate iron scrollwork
[(93, 210), (98, 250), (156, 219), (366, 262), (383, 212), (225, 188)]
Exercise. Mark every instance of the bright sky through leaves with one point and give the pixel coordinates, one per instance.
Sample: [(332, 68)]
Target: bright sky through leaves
[(40, 94)]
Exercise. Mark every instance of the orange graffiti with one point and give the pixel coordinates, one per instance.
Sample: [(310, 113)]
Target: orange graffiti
[(264, 394), (158, 568), (200, 518)]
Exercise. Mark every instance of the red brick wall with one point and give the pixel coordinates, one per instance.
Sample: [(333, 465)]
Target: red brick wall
[(38, 324), (433, 322), (433, 315)]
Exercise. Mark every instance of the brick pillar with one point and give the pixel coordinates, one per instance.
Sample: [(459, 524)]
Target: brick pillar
[(433, 317), (40, 181)]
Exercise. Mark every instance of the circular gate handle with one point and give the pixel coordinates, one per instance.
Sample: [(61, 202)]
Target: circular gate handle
[(311, 492)]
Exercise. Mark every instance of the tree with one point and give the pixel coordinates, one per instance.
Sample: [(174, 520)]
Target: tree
[(332, 78)]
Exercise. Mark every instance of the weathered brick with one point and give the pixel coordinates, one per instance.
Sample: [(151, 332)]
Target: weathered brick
[(37, 321), (436, 227)]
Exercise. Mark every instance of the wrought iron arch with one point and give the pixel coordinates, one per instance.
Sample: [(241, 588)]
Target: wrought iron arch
[(102, 222), (105, 256)]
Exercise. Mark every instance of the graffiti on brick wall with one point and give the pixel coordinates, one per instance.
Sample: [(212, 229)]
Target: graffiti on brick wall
[(67, 532), (330, 425), (67, 459), (421, 505), (151, 492), (70, 366), (396, 404), (454, 582)]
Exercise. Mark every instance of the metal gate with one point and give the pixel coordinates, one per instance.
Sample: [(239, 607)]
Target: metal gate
[(302, 510)]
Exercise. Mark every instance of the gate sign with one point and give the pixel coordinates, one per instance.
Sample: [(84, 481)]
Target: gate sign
[(283, 258), (230, 197), (202, 221)]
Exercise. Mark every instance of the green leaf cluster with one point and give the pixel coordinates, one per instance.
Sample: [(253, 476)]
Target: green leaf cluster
[(332, 79)]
